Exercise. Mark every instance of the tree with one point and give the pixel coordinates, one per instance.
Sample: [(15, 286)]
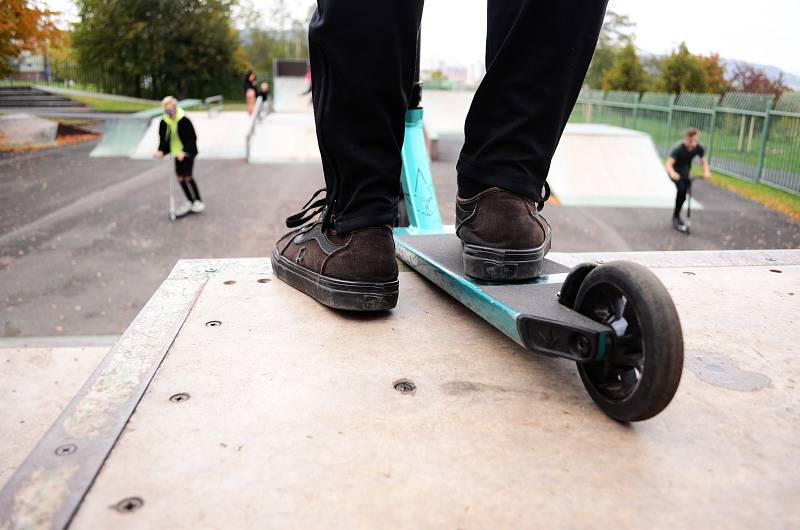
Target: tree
[(715, 73), (24, 27), (652, 69), (157, 47), (602, 61), (627, 72), (749, 78), (278, 37), (682, 72), (616, 31), (437, 76)]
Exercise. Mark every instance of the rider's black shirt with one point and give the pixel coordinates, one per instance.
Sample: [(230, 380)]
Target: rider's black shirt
[(683, 158)]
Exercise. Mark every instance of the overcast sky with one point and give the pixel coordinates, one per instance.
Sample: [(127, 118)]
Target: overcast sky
[(763, 32)]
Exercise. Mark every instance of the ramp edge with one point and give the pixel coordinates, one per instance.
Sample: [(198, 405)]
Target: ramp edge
[(47, 489)]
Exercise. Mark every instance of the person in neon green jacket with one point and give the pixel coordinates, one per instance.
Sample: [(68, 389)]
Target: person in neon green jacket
[(177, 137)]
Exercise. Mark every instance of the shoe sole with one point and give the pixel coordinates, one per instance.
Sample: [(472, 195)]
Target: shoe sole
[(335, 293), (504, 265)]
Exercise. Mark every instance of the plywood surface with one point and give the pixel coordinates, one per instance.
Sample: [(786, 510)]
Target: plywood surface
[(293, 420)]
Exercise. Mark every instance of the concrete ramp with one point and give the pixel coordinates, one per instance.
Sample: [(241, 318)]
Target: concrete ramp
[(121, 136), (22, 130), (219, 136), (233, 399), (446, 110), (594, 165), (602, 165), (38, 382), (284, 137), (290, 95)]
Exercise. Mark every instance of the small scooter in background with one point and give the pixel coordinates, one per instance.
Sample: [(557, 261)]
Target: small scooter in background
[(173, 212)]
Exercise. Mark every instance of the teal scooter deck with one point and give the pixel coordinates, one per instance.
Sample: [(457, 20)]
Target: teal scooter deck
[(529, 313)]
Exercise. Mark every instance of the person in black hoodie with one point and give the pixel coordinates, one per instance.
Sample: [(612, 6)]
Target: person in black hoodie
[(176, 136)]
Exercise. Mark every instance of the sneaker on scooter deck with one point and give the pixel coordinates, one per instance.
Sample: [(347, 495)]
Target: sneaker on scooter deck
[(503, 236), (355, 271)]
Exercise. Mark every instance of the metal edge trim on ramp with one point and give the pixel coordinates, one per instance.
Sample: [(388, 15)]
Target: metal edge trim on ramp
[(48, 487)]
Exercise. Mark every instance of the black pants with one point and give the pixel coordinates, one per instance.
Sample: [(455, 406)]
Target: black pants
[(684, 185), (363, 57)]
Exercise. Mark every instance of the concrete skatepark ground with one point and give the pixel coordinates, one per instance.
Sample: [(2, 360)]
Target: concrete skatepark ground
[(85, 243)]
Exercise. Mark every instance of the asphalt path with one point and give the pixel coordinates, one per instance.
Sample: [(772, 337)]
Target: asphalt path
[(84, 242)]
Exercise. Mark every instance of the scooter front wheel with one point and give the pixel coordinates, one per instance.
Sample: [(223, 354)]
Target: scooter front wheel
[(637, 378)]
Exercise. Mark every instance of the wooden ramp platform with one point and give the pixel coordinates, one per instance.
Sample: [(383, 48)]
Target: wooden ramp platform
[(233, 401)]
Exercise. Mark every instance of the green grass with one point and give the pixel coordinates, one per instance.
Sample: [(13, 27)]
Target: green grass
[(112, 105), (77, 86), (782, 201)]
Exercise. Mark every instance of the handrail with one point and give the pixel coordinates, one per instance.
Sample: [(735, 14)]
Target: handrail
[(214, 99), (255, 117)]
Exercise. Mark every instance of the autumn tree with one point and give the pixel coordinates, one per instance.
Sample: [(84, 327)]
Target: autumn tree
[(682, 72), (627, 72), (718, 83), (749, 78), (24, 27)]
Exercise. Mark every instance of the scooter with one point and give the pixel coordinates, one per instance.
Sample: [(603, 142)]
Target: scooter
[(615, 320)]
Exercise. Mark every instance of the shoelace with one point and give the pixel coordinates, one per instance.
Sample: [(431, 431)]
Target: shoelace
[(301, 217), (540, 203)]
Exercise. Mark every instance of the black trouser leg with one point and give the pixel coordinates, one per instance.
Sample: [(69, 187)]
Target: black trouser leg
[(195, 191), (537, 54), (363, 56), (682, 185), (186, 190)]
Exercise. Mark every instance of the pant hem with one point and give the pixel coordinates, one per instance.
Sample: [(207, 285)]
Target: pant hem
[(357, 222), (519, 183)]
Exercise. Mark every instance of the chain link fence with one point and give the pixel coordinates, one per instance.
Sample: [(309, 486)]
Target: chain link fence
[(750, 136)]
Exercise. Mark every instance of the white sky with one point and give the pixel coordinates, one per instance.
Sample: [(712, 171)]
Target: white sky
[(763, 32)]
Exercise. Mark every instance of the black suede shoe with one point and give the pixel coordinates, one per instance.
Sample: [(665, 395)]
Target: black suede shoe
[(503, 236), (355, 271)]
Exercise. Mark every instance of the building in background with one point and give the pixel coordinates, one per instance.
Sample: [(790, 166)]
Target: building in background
[(30, 67), (452, 74)]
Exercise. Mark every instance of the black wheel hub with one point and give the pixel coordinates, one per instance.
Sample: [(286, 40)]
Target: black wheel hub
[(616, 376)]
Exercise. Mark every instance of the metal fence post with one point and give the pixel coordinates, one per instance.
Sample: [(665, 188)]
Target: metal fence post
[(711, 128), (672, 100), (764, 140), (636, 109)]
